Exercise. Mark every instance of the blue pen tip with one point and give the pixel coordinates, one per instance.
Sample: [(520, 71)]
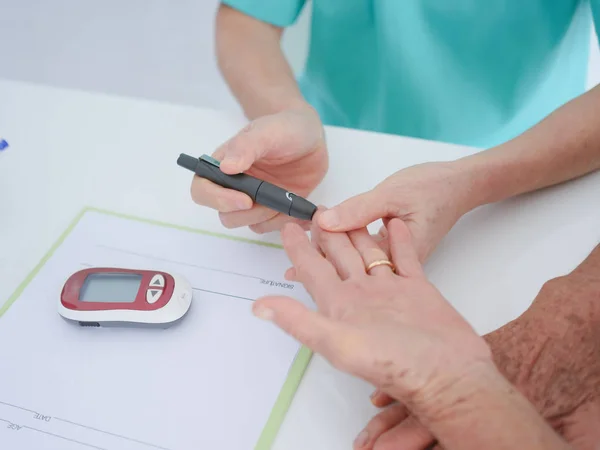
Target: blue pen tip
[(3, 144)]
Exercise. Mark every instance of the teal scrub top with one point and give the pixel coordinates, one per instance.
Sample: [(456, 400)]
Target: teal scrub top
[(469, 72)]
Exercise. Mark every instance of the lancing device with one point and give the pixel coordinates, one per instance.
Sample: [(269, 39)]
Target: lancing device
[(261, 192)]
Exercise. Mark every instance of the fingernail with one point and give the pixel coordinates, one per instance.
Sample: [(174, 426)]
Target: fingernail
[(231, 162), (374, 395), (362, 439), (329, 219), (264, 313), (290, 274), (383, 232)]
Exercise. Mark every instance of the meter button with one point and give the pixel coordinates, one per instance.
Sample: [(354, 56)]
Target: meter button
[(152, 295), (158, 281)]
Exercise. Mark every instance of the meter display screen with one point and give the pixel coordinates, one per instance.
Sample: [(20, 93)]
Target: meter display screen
[(110, 288)]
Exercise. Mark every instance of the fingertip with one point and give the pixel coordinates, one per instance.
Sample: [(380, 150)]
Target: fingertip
[(232, 165), (219, 153), (374, 397), (268, 302), (329, 220), (207, 193), (238, 155), (275, 223), (398, 228), (262, 311), (257, 229), (383, 232), (255, 215), (306, 225), (225, 222), (244, 202), (316, 219), (290, 274), (292, 230), (403, 250), (382, 424), (293, 236), (234, 201), (380, 399), (354, 213)]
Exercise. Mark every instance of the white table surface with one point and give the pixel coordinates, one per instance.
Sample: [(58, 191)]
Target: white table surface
[(70, 148)]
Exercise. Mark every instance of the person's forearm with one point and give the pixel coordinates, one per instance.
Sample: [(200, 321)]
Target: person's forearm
[(253, 64), (577, 294), (563, 146), (590, 267), (485, 411)]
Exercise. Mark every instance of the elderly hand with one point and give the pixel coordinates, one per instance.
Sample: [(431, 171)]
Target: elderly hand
[(286, 149), (551, 354), (429, 198), (394, 330)]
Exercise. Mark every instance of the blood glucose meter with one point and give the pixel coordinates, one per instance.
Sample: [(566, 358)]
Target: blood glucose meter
[(123, 297)]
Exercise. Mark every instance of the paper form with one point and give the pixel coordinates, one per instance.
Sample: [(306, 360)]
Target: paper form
[(209, 382)]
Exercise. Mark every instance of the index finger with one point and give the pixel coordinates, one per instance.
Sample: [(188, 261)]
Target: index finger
[(312, 269)]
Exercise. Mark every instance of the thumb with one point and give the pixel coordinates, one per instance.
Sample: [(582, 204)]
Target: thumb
[(356, 212), (403, 251), (241, 151), (308, 327), (382, 239)]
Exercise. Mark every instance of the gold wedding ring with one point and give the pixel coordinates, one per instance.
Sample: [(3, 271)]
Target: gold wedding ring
[(381, 262)]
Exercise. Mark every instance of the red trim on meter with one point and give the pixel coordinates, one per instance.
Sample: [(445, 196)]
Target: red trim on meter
[(69, 296)]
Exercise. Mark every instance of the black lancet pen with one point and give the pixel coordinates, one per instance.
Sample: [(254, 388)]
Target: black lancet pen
[(260, 191)]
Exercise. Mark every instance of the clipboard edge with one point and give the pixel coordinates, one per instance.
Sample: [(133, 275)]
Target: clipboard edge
[(284, 399), (301, 360)]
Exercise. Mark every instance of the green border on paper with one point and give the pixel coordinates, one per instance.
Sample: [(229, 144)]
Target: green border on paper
[(286, 396)]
